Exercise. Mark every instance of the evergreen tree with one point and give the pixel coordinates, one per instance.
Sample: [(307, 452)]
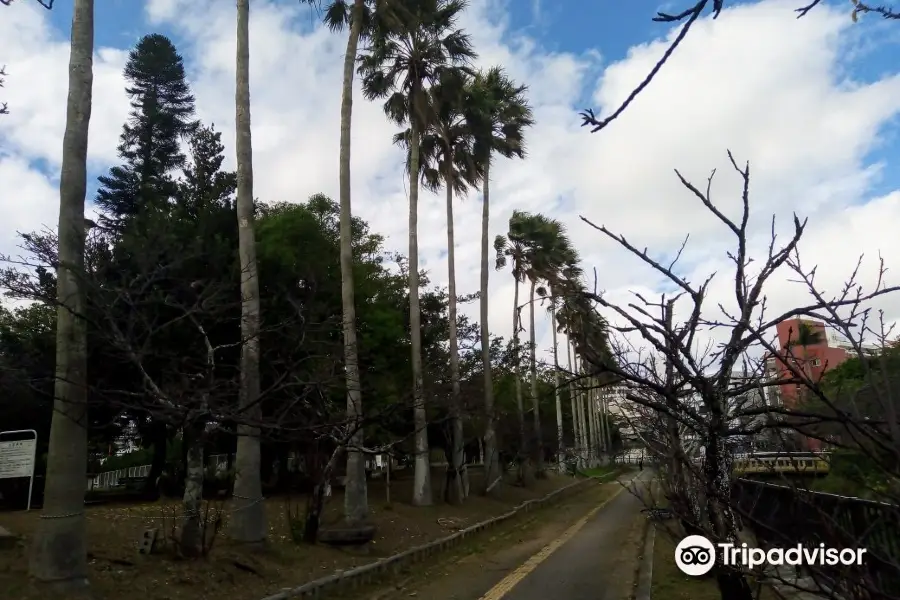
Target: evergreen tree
[(162, 110)]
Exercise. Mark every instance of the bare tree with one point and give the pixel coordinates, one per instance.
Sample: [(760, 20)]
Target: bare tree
[(703, 392), (688, 17), (4, 109)]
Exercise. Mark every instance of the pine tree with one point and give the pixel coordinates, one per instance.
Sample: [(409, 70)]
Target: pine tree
[(162, 110)]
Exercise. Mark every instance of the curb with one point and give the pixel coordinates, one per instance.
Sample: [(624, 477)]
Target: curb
[(644, 590), (370, 573)]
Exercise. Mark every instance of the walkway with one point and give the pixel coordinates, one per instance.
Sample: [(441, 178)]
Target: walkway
[(586, 564)]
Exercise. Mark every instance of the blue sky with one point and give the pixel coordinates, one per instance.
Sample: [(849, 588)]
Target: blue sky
[(812, 104), (563, 26)]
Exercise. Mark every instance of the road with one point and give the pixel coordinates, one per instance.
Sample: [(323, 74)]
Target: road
[(585, 563)]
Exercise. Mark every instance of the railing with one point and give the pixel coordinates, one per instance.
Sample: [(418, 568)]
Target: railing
[(784, 517), (110, 479)]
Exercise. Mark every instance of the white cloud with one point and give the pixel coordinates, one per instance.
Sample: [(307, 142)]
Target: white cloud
[(757, 81)]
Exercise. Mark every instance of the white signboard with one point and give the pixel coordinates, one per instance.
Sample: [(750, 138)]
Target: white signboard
[(17, 458)]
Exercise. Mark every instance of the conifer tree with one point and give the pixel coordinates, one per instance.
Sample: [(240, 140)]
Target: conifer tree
[(162, 110)]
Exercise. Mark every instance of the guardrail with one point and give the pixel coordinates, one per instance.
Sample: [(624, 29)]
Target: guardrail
[(782, 516)]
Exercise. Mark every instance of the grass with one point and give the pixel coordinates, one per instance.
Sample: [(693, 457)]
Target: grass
[(232, 571), (669, 583)]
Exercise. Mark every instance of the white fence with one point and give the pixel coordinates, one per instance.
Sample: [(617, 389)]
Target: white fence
[(110, 479)]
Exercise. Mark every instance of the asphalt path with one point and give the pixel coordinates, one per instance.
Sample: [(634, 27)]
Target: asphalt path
[(588, 565)]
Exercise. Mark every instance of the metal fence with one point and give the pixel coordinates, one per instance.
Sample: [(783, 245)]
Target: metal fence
[(110, 479), (784, 517)]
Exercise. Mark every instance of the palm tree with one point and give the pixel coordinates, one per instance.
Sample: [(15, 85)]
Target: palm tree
[(571, 275), (550, 256), (446, 159), (59, 547), (249, 521), (410, 48), (500, 113), (514, 251), (356, 501)]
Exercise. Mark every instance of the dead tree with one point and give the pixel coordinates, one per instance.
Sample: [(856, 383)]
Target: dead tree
[(695, 366)]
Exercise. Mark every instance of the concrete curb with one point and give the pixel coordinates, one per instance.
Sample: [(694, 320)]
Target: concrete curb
[(644, 589), (372, 572)]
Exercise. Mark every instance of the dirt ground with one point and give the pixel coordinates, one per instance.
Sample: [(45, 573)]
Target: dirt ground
[(116, 568)]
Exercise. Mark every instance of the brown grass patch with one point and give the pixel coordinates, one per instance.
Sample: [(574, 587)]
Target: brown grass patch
[(116, 569)]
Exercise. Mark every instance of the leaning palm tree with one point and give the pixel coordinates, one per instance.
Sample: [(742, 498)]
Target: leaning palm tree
[(409, 49), (499, 113), (571, 275), (514, 252), (59, 546), (446, 159), (248, 523), (550, 253), (356, 502)]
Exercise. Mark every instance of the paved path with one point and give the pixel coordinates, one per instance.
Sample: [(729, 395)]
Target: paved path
[(586, 563)]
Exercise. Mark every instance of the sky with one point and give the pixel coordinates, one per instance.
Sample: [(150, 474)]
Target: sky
[(811, 103)]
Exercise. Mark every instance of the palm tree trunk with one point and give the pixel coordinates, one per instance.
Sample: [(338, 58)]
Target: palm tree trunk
[(356, 500), (576, 430), (591, 410), (455, 492), (535, 401), (248, 523), (59, 547), (582, 422), (560, 460), (422, 471), (520, 406), (492, 457)]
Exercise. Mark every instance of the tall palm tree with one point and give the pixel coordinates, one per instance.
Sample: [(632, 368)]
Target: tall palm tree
[(356, 501), (410, 47), (499, 114), (550, 256), (514, 251), (446, 159), (59, 547), (570, 277), (249, 520)]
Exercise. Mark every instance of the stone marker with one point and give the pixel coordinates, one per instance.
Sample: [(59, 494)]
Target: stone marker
[(148, 541)]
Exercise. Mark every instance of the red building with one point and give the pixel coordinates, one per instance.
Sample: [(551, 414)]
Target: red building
[(813, 359)]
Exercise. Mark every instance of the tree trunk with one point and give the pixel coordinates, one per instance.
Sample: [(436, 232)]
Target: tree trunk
[(356, 500), (422, 472), (316, 501), (582, 422), (248, 523), (491, 458), (520, 406), (456, 492), (535, 401), (192, 526), (590, 409), (576, 430), (560, 460), (159, 434), (59, 546)]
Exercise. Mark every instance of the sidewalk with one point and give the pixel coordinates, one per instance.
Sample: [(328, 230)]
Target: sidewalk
[(563, 555)]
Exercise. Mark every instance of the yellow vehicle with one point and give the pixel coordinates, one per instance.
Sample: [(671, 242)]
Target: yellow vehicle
[(785, 463)]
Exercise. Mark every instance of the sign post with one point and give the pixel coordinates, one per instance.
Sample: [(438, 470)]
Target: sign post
[(17, 458)]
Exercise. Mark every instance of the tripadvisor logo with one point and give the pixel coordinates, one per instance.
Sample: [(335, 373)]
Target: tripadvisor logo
[(695, 556)]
